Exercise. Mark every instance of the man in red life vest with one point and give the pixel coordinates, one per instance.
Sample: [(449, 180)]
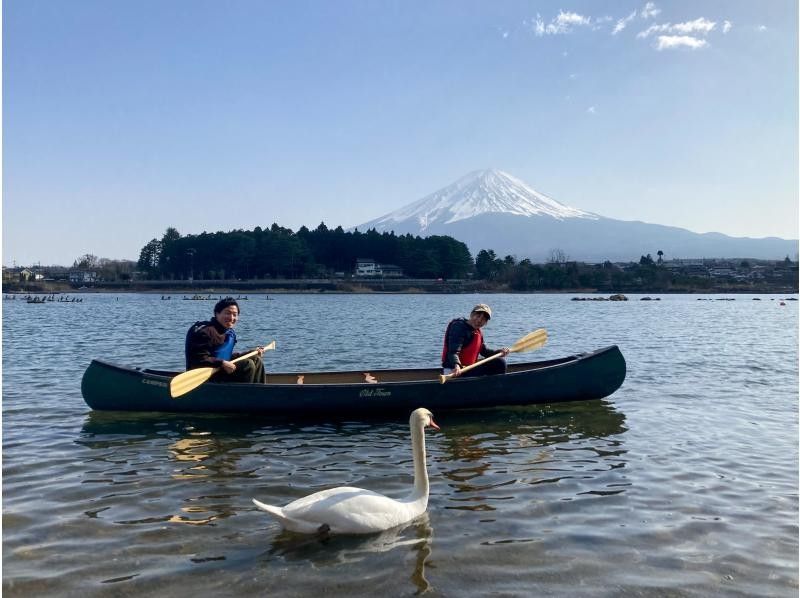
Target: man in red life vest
[(463, 343)]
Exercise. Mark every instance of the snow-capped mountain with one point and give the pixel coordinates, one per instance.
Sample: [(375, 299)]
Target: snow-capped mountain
[(479, 192), (490, 209)]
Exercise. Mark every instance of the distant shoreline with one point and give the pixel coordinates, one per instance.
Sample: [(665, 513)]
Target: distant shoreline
[(385, 286)]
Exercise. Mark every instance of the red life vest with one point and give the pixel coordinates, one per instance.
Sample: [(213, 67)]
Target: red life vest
[(469, 352)]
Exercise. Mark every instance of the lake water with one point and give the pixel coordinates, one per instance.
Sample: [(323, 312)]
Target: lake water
[(682, 483)]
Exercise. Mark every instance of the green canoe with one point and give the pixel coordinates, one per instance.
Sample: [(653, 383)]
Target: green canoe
[(580, 377)]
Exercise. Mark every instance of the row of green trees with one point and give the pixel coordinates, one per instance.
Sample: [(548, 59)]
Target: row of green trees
[(557, 273), (106, 269), (281, 253)]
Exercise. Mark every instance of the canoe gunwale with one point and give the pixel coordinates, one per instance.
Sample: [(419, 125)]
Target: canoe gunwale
[(423, 375)]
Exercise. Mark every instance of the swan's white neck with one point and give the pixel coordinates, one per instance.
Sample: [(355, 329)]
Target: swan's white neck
[(421, 486)]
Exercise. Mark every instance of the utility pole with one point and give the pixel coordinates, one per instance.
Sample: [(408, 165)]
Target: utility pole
[(190, 252)]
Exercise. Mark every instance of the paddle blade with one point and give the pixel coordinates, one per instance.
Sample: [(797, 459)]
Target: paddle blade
[(529, 342), (189, 380)]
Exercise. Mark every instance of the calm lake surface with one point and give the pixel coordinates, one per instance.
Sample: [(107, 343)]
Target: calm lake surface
[(682, 483)]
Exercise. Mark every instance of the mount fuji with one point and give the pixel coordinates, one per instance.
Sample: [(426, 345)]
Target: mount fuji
[(490, 209)]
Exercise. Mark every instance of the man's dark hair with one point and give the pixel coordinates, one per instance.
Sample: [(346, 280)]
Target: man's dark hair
[(227, 302)]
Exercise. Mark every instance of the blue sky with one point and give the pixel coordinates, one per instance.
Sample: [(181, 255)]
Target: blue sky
[(123, 118)]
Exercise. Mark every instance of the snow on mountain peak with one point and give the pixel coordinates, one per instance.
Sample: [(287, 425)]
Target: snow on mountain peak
[(481, 192)]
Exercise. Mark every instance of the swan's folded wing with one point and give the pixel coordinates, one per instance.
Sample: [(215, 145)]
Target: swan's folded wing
[(294, 525), (353, 510)]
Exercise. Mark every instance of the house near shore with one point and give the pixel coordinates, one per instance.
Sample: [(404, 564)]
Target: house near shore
[(369, 267), (22, 275), (82, 276)]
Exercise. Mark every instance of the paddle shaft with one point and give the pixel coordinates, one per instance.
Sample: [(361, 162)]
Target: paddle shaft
[(531, 341), (191, 379), (445, 377), (245, 356), (268, 347)]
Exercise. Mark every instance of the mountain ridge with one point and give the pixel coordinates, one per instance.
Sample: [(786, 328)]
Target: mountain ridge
[(479, 192), (491, 209)]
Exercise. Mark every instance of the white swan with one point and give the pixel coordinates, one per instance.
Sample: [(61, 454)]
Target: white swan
[(348, 510)]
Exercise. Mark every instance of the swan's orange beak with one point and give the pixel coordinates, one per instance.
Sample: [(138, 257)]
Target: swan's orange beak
[(433, 425)]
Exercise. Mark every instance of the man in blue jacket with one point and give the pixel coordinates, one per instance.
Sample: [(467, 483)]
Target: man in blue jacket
[(210, 344)]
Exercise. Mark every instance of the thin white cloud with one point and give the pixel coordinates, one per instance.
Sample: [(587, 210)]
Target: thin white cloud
[(591, 110), (652, 29), (688, 34), (669, 42), (566, 19), (600, 22), (538, 27), (762, 28), (564, 23), (622, 23), (650, 10), (700, 26)]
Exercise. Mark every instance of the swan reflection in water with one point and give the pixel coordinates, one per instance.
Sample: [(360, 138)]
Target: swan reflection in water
[(332, 550)]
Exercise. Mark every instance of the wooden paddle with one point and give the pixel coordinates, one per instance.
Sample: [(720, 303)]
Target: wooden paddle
[(529, 342), (191, 379)]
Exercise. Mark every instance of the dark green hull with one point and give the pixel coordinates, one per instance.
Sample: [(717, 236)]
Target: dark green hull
[(580, 377)]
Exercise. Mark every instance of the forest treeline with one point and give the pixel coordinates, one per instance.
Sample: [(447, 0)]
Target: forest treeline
[(558, 273), (278, 252)]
